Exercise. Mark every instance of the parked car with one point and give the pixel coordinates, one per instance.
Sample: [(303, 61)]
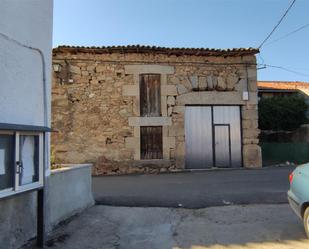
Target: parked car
[(298, 194)]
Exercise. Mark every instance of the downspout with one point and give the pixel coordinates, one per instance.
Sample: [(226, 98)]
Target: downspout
[(41, 202), (45, 93)]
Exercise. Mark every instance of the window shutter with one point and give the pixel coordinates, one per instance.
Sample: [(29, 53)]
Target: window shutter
[(150, 95), (151, 142)]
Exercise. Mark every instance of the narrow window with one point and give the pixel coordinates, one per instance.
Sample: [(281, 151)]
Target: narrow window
[(21, 161), (151, 142), (7, 175), (150, 95), (29, 158)]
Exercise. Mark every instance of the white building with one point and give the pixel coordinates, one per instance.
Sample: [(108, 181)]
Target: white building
[(25, 82)]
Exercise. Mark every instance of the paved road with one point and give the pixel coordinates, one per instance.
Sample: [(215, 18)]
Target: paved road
[(194, 189), (229, 227)]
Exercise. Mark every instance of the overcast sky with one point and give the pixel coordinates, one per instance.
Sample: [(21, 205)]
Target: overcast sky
[(192, 23)]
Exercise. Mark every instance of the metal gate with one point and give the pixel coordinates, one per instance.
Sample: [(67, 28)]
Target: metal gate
[(213, 137)]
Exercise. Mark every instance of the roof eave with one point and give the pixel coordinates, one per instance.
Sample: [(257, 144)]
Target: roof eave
[(157, 50)]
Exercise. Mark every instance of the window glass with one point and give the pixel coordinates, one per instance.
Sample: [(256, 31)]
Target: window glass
[(7, 172), (29, 158)]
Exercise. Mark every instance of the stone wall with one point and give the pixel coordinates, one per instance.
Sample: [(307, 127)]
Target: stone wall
[(96, 112)]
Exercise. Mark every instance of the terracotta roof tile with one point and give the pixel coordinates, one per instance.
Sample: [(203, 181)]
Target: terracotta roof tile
[(159, 50), (283, 85)]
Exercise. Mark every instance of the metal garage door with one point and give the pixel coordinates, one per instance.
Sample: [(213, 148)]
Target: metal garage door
[(198, 130), (213, 136)]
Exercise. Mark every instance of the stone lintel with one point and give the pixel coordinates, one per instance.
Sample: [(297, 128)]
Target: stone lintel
[(150, 121), (146, 68), (215, 98), (168, 90)]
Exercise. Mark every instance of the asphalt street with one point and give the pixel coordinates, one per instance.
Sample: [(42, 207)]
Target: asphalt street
[(196, 189)]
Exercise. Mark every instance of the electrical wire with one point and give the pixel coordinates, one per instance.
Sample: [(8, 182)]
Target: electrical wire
[(285, 69), (262, 59), (288, 34), (276, 26)]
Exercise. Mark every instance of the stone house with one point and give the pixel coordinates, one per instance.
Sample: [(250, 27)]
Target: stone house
[(269, 89), (134, 109)]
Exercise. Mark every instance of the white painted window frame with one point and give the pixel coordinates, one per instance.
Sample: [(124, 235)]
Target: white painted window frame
[(16, 189)]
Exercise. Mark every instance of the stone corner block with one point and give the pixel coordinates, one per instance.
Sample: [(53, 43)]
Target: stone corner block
[(169, 142), (252, 156), (249, 114)]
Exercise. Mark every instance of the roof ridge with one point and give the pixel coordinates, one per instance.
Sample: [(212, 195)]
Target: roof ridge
[(283, 85), (281, 82), (157, 49)]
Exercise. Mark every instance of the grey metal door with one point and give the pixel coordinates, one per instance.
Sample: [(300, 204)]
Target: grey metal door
[(230, 115), (198, 133), (222, 146), (213, 136)]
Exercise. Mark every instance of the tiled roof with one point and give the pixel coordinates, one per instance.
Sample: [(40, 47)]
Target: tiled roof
[(159, 50), (284, 86)]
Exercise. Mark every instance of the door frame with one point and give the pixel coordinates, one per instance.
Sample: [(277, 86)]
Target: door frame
[(212, 123), (214, 144)]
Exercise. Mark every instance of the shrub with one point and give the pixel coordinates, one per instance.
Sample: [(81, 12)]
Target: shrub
[(282, 113)]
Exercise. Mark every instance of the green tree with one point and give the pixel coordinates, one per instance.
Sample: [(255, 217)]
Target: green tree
[(282, 113)]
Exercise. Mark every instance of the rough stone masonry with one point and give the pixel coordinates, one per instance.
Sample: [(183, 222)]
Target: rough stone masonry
[(96, 108)]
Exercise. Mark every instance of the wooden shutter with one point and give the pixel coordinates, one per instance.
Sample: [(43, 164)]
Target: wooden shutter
[(151, 142), (150, 95)]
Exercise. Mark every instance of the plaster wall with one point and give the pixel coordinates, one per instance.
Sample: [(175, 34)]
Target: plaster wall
[(25, 76), (17, 220), (25, 66), (68, 192), (25, 24), (18, 214)]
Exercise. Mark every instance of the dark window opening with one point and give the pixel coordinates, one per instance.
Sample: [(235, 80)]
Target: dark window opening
[(150, 95), (151, 142), (6, 161)]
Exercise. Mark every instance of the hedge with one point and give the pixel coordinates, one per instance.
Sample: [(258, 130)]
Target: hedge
[(282, 113)]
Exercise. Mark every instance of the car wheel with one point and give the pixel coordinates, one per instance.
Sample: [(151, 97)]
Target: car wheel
[(306, 221)]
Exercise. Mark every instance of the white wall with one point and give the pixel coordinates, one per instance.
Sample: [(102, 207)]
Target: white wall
[(25, 38), (25, 41)]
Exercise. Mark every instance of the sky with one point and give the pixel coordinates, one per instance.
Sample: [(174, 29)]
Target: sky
[(193, 23)]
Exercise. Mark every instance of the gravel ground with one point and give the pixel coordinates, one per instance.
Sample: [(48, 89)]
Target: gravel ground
[(227, 227)]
